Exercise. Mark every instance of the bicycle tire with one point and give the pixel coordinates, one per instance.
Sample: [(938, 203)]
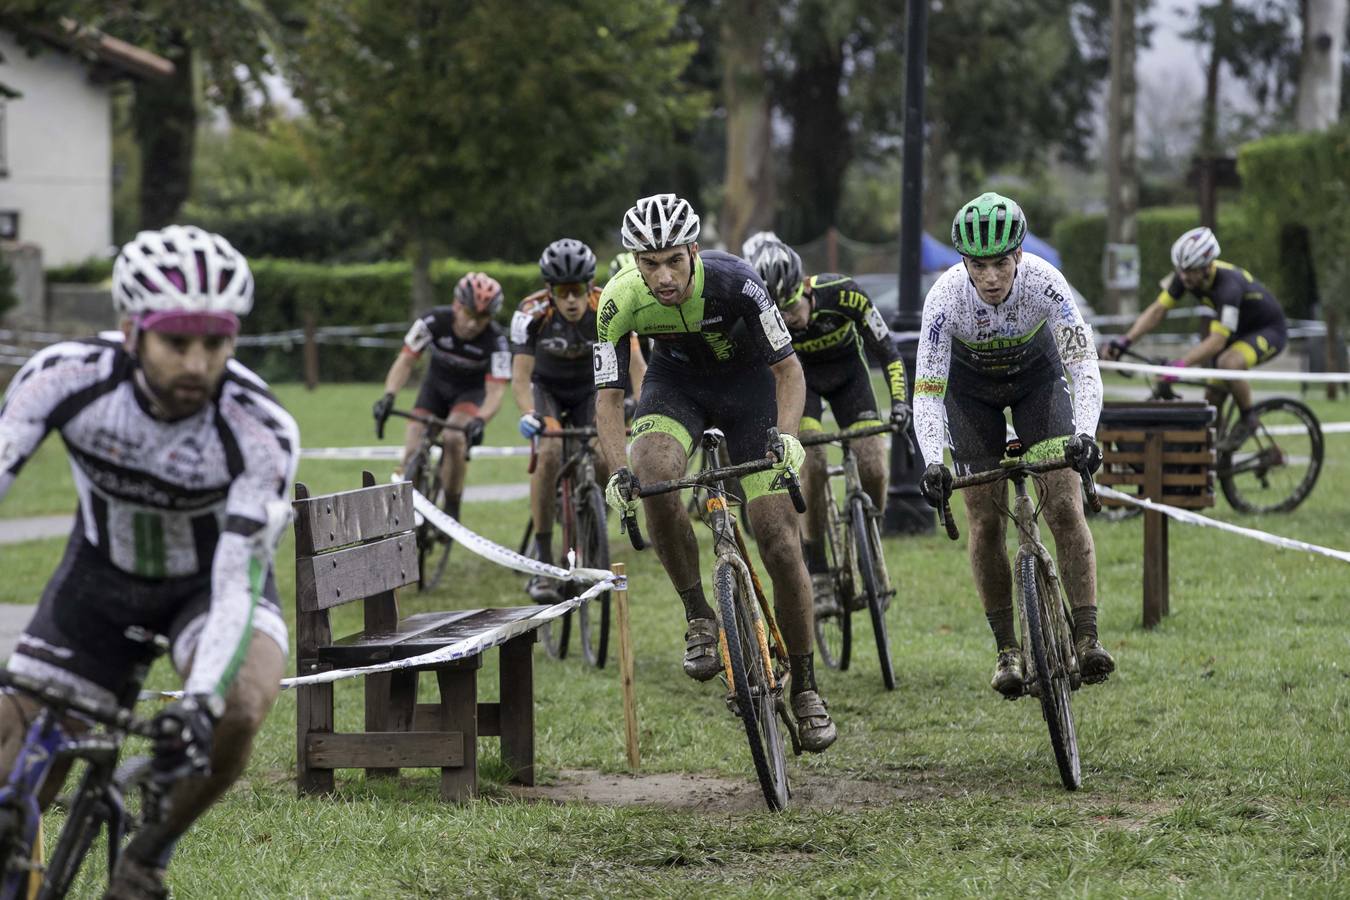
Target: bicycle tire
[(15, 881), (433, 548), (1051, 675), (593, 553), (867, 546), (834, 630), (556, 634), (1263, 453), (755, 701), (86, 818)]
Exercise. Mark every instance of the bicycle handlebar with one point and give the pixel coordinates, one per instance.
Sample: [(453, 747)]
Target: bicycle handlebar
[(60, 699), (1003, 473), (844, 437), (428, 419)]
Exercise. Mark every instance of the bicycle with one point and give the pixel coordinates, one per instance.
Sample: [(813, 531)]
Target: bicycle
[(1272, 468), (1052, 672), (581, 513), (424, 471), (754, 656), (857, 566), (103, 790)]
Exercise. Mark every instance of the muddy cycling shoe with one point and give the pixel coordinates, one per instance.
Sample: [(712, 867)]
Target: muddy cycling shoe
[(823, 597), (135, 880), (1094, 662), (1239, 434), (814, 725), (543, 589), (1009, 673), (700, 650)]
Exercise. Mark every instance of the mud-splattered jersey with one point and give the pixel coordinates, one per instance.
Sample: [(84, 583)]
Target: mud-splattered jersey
[(210, 492), (843, 322), (1037, 322)]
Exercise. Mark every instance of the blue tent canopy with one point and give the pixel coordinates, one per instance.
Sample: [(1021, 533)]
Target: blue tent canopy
[(935, 256), (1033, 244)]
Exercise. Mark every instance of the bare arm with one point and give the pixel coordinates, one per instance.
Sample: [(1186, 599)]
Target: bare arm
[(399, 372), (1206, 350), (492, 401), (522, 369), (637, 366), (790, 387), (1148, 320), (610, 427)]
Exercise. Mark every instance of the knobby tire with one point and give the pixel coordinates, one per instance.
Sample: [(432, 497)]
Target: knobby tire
[(593, 553), (82, 826), (556, 634), (1240, 470), (1051, 674), (433, 548), (873, 583), (834, 631)]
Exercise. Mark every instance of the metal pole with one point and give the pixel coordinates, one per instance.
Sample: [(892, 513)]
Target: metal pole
[(906, 510)]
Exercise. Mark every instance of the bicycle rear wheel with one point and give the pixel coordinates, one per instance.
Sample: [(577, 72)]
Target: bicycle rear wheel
[(754, 700), (874, 583), (1052, 675), (593, 553), (433, 547), (1276, 467), (557, 633), (834, 628)]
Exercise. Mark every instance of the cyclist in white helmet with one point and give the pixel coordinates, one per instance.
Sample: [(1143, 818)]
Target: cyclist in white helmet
[(722, 358), (1248, 328), (183, 464)]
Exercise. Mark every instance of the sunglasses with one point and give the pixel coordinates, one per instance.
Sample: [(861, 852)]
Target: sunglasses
[(570, 289)]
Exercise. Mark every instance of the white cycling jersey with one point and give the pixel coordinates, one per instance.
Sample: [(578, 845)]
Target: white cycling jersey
[(163, 500), (1001, 342)]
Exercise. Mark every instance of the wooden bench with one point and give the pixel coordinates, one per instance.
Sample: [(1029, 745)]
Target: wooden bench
[(361, 545), (1165, 450)]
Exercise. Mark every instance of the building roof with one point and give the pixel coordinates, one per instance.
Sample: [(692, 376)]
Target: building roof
[(104, 49)]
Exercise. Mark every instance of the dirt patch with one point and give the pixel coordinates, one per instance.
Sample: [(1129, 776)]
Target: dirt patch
[(710, 793)]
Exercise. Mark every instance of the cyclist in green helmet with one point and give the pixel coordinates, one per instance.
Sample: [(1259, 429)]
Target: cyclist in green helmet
[(1000, 333), (620, 262)]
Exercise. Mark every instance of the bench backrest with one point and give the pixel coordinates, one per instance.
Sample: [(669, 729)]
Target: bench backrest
[(349, 546)]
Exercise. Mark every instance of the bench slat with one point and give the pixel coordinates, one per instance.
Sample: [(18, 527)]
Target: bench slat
[(386, 750), (414, 639), (322, 582), (351, 517)]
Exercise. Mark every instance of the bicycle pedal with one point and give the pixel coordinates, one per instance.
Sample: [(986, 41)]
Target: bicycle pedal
[(733, 705)]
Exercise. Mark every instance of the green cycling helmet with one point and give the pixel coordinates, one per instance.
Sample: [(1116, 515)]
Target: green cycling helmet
[(620, 262), (990, 225)]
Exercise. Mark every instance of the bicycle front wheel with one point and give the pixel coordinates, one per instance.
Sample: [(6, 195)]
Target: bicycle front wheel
[(834, 627), (433, 547), (593, 553), (872, 572), (86, 818), (755, 696), (1276, 467), (556, 633), (1052, 675)]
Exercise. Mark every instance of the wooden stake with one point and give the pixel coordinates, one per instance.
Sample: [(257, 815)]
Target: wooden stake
[(630, 720)]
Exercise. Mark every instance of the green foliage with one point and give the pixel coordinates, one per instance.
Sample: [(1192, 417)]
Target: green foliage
[(7, 296), (93, 270)]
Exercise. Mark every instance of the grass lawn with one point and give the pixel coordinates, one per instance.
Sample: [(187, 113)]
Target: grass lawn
[(1215, 760)]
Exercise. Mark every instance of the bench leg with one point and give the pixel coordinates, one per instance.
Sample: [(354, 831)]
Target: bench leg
[(517, 708), (459, 706), (314, 713), (390, 700)]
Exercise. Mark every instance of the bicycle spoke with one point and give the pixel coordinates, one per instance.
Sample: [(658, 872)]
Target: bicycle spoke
[(1051, 674), (1276, 468)]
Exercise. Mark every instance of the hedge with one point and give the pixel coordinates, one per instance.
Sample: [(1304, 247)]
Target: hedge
[(7, 295)]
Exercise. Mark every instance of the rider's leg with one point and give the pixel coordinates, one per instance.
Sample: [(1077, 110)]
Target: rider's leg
[(1075, 553), (989, 557), (813, 479), (16, 714), (412, 436), (543, 495), (659, 456), (454, 458), (873, 468), (1234, 359)]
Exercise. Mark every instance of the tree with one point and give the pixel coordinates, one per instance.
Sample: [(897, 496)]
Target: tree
[(748, 190), (1319, 78), (477, 125)]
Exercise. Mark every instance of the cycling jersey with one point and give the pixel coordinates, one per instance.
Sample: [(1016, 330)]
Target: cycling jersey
[(208, 493), (455, 361), (844, 321), (562, 350), (1009, 342), (728, 325), (1242, 304)]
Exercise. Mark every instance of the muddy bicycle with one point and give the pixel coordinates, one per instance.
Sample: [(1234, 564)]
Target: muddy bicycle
[(1046, 623), (754, 656), (425, 473)]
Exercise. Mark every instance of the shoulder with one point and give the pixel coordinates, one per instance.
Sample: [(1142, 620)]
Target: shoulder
[(264, 430), (620, 295), (525, 320), (69, 367), (949, 289), (728, 277), (1042, 280)]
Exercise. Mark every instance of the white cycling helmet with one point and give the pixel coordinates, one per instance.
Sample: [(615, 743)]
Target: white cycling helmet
[(182, 278), (1195, 249), (659, 222), (781, 269), (756, 241)]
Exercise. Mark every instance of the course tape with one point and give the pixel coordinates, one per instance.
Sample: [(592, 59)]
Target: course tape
[(1192, 518), (1192, 372), (396, 453)]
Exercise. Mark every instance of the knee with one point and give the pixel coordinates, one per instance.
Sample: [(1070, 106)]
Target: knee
[(1231, 359), (658, 461), (454, 443)]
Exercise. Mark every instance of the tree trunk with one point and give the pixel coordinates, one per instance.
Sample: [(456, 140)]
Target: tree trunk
[(423, 292), (821, 149), (164, 116), (1122, 175), (1209, 128), (747, 203), (1319, 77)]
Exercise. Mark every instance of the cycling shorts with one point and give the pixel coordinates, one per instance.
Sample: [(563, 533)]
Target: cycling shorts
[(846, 385), (1260, 345), (683, 406), (441, 398), (576, 404), (77, 634), (1042, 415)]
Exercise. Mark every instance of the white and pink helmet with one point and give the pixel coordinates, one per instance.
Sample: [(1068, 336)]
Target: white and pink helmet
[(182, 279), (1195, 249)]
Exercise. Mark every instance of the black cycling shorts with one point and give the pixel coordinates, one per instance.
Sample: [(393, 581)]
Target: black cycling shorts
[(1261, 345), (1042, 415), (846, 385), (440, 398), (77, 635), (576, 404), (744, 405)]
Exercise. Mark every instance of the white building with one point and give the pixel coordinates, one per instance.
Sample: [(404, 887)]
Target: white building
[(56, 139)]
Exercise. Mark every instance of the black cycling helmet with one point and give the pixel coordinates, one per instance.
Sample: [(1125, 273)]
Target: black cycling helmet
[(567, 261)]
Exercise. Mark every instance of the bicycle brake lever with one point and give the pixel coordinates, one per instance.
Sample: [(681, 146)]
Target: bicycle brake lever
[(629, 524), (945, 514), (1090, 489)]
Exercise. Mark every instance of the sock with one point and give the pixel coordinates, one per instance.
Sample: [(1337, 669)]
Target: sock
[(695, 604), (1001, 623), (814, 551), (543, 546), (452, 507), (803, 672), (1084, 623), (151, 850)]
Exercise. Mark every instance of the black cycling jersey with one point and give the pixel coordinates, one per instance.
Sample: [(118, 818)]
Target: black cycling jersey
[(457, 362), (1243, 305), (562, 350), (728, 325), (843, 322)]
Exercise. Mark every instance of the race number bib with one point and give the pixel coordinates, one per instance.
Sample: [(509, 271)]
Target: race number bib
[(1229, 317), (876, 324), (606, 364), (418, 336), (775, 329), (501, 365), (520, 327)]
